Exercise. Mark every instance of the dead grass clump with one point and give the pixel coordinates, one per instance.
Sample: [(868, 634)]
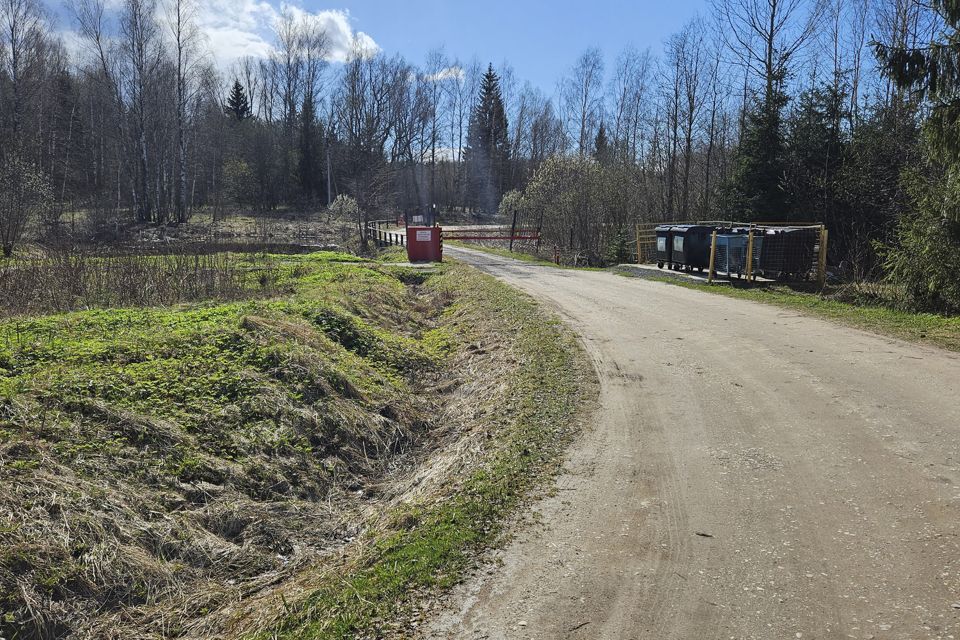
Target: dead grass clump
[(139, 430)]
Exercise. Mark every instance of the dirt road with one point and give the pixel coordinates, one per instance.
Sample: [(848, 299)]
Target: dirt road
[(752, 473)]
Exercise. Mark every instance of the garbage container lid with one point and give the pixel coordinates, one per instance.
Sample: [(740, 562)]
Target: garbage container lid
[(693, 228)]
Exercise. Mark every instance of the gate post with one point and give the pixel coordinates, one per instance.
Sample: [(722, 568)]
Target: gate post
[(713, 257), (822, 258), (637, 233)]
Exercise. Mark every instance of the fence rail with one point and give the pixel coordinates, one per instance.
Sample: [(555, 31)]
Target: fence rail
[(491, 234), (380, 231)]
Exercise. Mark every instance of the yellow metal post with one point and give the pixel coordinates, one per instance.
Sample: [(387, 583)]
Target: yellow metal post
[(749, 272), (637, 230), (713, 257), (822, 259)]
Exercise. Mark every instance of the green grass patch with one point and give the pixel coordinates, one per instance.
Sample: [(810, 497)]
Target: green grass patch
[(154, 451), (160, 462)]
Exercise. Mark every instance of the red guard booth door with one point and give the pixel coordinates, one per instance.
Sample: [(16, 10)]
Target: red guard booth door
[(424, 244)]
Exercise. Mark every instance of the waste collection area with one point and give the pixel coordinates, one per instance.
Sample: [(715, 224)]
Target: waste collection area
[(776, 252)]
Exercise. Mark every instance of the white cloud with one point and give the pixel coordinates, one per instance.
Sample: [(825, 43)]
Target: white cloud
[(450, 73), (238, 28), (72, 42), (234, 29), (228, 44), (342, 39)]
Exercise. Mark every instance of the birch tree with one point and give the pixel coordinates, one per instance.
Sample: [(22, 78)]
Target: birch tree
[(766, 35), (181, 19), (581, 94), (21, 32), (142, 54), (630, 92)]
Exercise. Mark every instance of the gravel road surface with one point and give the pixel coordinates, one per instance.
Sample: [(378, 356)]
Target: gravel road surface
[(751, 473)]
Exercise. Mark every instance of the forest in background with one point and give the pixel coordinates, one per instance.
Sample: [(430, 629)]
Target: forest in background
[(785, 111)]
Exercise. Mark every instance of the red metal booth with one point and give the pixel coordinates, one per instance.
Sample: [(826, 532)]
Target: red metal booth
[(424, 244)]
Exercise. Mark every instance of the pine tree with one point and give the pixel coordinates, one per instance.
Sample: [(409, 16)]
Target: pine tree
[(237, 104), (756, 188), (601, 146), (487, 152), (924, 262)]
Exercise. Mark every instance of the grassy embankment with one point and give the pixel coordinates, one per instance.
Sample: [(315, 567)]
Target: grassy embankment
[(427, 546), (163, 463)]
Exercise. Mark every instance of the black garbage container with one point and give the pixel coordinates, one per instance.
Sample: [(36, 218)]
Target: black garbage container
[(691, 246), (664, 245)]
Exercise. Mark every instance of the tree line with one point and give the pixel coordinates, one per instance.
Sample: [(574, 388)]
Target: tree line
[(834, 111), (143, 127), (786, 111)]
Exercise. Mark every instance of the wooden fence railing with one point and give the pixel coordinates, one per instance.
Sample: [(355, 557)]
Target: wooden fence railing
[(384, 233)]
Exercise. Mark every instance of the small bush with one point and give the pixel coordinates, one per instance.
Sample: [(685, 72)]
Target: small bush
[(25, 195)]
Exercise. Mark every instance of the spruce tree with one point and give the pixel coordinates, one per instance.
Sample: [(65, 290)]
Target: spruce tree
[(487, 152), (601, 146), (237, 104), (924, 262), (310, 167), (756, 190), (816, 146)]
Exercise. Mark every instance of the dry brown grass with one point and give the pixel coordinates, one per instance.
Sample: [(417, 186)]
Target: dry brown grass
[(58, 281)]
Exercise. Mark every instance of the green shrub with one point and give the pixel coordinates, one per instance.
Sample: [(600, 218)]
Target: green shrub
[(924, 264)]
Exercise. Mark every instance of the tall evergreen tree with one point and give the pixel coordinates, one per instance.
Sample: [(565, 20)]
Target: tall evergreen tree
[(756, 190), (237, 104), (885, 142), (311, 164), (816, 144), (925, 259), (487, 152), (602, 152)]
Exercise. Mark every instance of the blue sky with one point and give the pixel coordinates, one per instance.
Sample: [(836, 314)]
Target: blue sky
[(541, 40)]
